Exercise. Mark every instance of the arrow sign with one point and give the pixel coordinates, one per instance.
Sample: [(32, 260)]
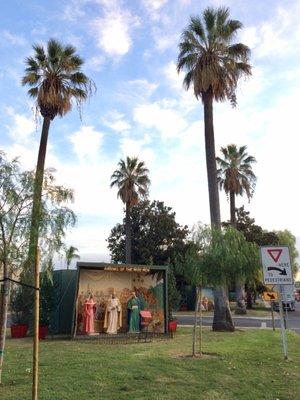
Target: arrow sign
[(275, 254), (271, 296), (281, 271)]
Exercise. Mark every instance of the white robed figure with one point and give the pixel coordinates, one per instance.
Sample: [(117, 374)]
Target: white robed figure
[(113, 315)]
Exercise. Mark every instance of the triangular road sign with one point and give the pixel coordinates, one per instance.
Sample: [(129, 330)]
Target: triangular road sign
[(275, 253)]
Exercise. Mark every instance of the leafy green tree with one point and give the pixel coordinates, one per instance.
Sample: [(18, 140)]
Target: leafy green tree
[(16, 198), (286, 237), (156, 236), (71, 254), (55, 79), (132, 180), (213, 63), (236, 177)]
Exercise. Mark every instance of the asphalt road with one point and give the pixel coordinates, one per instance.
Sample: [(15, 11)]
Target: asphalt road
[(293, 320)]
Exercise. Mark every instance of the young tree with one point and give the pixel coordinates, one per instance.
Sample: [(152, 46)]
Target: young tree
[(236, 177), (16, 198), (71, 254), (213, 65), (132, 181), (56, 80), (219, 258), (190, 265)]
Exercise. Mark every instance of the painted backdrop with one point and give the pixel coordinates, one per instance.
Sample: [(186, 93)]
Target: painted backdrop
[(101, 283)]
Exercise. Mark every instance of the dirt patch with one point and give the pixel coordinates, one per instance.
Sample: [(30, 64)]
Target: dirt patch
[(203, 356)]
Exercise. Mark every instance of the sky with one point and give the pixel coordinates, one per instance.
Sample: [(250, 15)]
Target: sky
[(130, 49)]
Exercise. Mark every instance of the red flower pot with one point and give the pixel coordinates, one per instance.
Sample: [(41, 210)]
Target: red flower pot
[(43, 332), (18, 331), (172, 326)]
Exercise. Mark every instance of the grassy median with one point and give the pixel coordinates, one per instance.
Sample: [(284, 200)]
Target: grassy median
[(245, 365)]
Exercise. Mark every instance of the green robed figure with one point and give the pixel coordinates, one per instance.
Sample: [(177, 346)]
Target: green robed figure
[(133, 306)]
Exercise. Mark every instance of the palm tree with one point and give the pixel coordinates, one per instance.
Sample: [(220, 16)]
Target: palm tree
[(213, 64), (131, 178), (71, 254), (56, 81), (236, 177)]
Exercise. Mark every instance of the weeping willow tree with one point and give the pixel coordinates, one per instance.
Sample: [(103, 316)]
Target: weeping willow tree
[(218, 257)]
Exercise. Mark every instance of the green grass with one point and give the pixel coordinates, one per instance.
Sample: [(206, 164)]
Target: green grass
[(245, 365)]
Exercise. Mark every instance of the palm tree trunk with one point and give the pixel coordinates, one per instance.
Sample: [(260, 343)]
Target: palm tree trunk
[(240, 307), (232, 208), (3, 315), (128, 234), (28, 273), (37, 195), (222, 316)]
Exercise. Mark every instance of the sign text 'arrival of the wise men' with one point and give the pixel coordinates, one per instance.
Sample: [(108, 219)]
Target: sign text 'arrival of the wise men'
[(276, 265)]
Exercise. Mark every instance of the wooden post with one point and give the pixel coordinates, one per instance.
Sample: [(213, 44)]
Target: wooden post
[(195, 321), (272, 313), (35, 361), (200, 331)]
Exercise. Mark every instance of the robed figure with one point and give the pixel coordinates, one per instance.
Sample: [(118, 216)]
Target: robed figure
[(88, 325), (113, 315), (133, 307)]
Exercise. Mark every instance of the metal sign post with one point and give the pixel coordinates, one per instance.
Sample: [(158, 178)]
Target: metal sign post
[(272, 313), (282, 327), (277, 269)]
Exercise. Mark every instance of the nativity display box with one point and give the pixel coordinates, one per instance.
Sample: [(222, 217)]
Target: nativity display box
[(112, 299)]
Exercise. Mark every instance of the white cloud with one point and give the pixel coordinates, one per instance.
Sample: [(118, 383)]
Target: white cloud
[(22, 128), (86, 142), (95, 63), (113, 30), (116, 121), (12, 38), (274, 37), (167, 122), (153, 8), (136, 91), (73, 10), (138, 148)]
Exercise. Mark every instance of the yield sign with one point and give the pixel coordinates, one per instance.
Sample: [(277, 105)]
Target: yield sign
[(276, 263), (275, 254)]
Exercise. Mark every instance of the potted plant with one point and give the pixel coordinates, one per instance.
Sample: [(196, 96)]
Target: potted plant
[(19, 314), (172, 324)]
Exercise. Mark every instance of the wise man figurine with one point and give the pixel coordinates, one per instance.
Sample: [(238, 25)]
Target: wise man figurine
[(89, 305), (113, 315), (133, 307)]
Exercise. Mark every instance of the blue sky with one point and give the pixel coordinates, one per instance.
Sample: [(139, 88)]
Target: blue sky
[(140, 108)]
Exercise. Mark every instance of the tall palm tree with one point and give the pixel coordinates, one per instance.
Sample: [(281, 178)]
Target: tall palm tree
[(236, 177), (71, 254), (131, 178), (56, 81), (213, 64)]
